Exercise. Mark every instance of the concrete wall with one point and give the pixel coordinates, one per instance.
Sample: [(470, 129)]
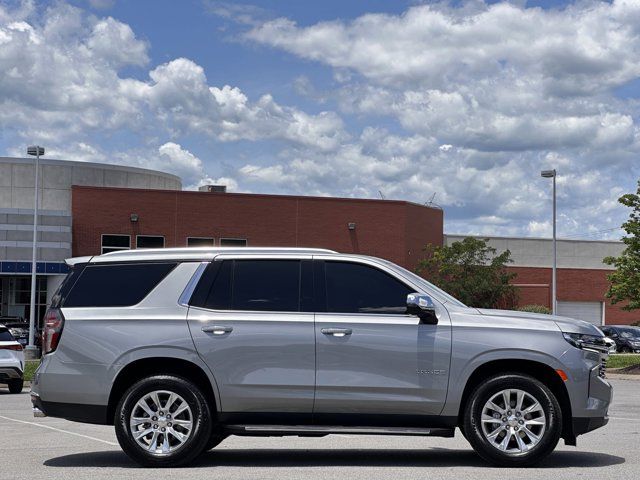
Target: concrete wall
[(538, 252), (17, 178), (54, 215)]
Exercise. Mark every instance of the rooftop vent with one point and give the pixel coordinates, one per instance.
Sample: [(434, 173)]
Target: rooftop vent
[(213, 188)]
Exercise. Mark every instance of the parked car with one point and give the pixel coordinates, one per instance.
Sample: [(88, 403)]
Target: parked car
[(180, 348), (627, 338), (11, 361), (18, 327)]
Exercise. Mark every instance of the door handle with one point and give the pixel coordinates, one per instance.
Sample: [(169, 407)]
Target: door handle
[(337, 332), (217, 329)]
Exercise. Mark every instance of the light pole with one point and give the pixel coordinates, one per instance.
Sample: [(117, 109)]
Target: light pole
[(31, 348), (554, 303)]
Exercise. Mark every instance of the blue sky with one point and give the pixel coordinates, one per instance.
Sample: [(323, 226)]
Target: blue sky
[(464, 100)]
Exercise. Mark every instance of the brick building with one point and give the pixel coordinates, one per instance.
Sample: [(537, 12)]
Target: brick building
[(128, 218), (395, 230)]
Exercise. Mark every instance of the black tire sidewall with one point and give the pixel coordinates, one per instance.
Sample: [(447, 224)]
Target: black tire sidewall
[(200, 410), (15, 386), (486, 390)]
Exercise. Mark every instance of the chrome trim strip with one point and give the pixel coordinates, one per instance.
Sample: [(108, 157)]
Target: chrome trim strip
[(191, 286)]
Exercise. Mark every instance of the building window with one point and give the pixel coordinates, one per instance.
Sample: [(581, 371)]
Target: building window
[(200, 242), (149, 241), (233, 242), (113, 243)]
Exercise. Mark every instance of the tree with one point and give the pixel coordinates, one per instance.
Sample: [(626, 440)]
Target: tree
[(625, 280), (471, 271)]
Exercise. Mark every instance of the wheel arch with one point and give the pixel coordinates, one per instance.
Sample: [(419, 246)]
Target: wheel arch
[(538, 370), (160, 365)]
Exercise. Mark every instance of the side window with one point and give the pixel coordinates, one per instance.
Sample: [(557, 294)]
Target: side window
[(356, 288), (255, 285), (266, 285), (115, 285)]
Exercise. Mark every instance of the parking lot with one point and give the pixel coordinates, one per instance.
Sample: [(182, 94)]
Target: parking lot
[(53, 448)]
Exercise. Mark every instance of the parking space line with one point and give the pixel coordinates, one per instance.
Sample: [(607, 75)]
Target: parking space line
[(59, 430)]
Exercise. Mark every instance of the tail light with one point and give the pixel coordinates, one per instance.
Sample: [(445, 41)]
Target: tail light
[(11, 347), (53, 323)]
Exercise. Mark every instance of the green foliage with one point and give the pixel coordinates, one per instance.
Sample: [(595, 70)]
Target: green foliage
[(30, 368), (535, 309), (471, 271), (621, 361), (625, 280)]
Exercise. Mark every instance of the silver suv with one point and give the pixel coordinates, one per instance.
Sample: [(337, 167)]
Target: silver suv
[(180, 348)]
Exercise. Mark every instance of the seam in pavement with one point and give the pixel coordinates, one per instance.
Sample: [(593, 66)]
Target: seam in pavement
[(59, 430)]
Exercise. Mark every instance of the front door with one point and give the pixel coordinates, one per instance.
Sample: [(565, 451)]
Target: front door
[(249, 325), (372, 357)]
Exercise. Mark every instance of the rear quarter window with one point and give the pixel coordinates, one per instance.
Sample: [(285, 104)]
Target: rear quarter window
[(115, 285), (5, 335)]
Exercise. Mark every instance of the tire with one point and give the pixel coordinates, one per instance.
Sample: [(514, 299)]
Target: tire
[(15, 386), (186, 422), (215, 439), (525, 446)]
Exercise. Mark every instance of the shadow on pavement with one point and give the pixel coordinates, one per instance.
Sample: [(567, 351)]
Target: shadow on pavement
[(434, 457)]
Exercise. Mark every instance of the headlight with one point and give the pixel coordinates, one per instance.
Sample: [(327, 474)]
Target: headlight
[(586, 342)]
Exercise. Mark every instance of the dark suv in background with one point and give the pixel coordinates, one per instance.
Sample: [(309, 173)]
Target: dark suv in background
[(627, 338)]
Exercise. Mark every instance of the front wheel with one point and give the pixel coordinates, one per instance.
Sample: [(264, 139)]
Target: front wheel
[(163, 421), (513, 420)]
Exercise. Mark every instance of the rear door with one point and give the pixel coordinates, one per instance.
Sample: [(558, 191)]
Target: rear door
[(252, 323), (372, 357)]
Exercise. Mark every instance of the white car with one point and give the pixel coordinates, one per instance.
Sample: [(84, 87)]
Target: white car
[(11, 361)]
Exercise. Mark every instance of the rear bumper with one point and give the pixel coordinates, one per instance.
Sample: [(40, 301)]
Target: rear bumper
[(10, 373), (69, 411)]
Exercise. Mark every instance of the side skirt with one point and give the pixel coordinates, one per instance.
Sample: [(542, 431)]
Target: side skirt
[(321, 431)]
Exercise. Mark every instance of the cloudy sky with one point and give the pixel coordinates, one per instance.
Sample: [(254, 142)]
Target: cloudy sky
[(459, 103)]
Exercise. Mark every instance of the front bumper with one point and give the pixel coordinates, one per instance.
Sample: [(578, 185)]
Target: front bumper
[(588, 424)]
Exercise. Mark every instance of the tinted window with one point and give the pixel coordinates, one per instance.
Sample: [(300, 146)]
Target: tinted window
[(254, 285), (148, 241), (354, 288), (115, 285), (199, 242), (272, 285), (114, 243), (233, 242), (5, 335)]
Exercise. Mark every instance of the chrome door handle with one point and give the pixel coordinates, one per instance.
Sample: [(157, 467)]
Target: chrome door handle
[(217, 329), (337, 332)]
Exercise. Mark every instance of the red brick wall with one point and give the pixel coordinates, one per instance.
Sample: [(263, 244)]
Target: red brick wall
[(390, 229), (574, 284)]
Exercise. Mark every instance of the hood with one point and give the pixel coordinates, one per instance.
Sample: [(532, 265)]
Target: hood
[(565, 324)]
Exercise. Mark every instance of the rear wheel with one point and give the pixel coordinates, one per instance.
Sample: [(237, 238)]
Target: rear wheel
[(15, 386), (163, 421), (513, 420)]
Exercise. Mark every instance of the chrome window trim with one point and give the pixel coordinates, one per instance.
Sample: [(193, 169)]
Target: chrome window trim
[(185, 296)]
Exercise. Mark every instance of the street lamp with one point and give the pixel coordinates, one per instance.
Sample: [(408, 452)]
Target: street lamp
[(552, 174), (31, 348)]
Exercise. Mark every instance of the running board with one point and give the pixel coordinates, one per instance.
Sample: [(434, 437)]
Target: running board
[(320, 430)]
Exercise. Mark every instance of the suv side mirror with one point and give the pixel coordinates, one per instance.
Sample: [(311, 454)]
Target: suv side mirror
[(422, 306)]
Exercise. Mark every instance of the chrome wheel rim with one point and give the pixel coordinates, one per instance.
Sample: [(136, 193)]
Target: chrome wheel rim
[(513, 421), (161, 422)]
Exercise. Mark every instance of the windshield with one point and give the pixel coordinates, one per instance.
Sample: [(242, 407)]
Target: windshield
[(428, 286), (630, 332)]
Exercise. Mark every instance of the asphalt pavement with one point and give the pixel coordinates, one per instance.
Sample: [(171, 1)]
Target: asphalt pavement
[(49, 448)]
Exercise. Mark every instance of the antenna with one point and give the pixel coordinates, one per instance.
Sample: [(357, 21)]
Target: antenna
[(382, 195)]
